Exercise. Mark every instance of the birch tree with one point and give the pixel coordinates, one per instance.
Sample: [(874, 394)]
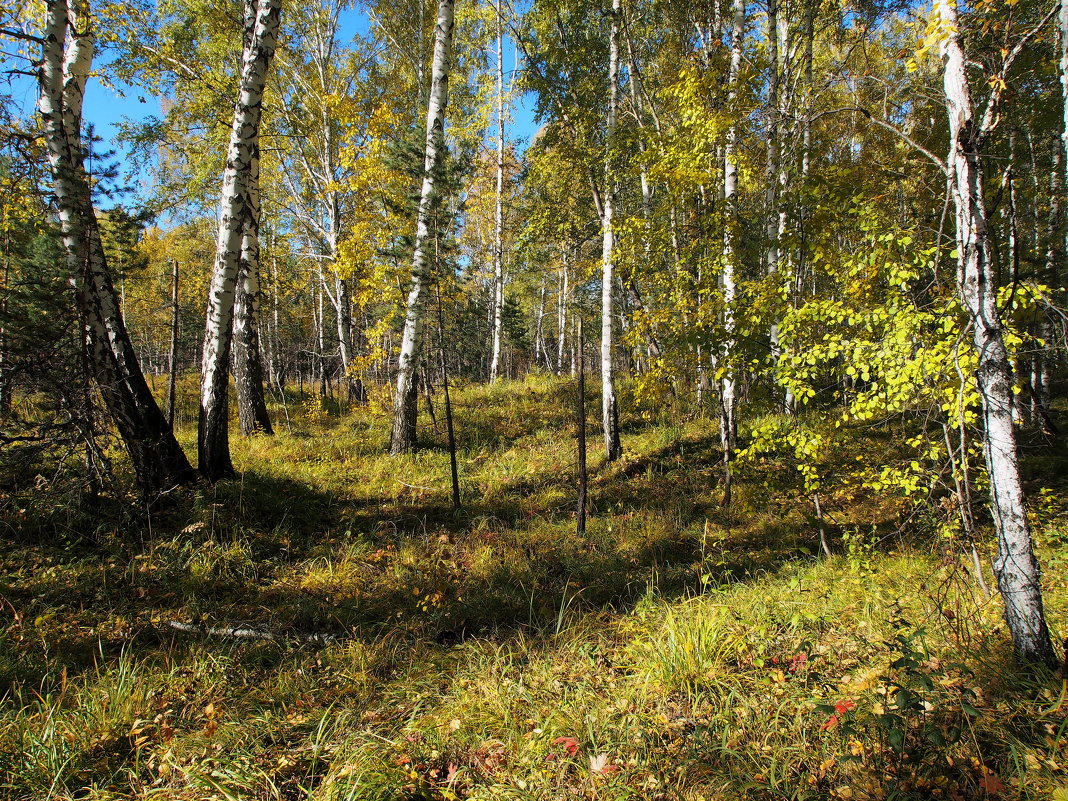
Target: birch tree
[(498, 231), (728, 400), (236, 214), (323, 107), (1015, 566), (774, 159), (405, 408), (1062, 30), (609, 402), (247, 361), (67, 48)]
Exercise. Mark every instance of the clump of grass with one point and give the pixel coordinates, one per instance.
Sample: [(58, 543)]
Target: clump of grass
[(76, 736)]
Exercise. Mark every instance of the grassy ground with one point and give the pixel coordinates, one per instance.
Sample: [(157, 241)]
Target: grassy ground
[(677, 651)]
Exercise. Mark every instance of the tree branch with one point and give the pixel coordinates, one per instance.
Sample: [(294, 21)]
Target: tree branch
[(892, 128), (26, 37), (991, 116)]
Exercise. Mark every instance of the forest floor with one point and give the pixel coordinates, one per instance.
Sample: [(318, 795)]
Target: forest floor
[(677, 651)]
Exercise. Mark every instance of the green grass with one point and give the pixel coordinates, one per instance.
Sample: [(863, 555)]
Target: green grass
[(677, 651)]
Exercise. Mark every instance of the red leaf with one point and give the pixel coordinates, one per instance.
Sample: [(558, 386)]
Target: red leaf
[(570, 744), (991, 783), (797, 661)]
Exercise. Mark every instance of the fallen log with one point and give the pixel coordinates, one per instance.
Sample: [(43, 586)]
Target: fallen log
[(247, 631)]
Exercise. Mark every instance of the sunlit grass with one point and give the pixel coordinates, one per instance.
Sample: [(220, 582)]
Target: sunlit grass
[(677, 651)]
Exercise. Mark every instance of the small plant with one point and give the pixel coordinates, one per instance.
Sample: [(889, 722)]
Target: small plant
[(859, 547), (926, 701)]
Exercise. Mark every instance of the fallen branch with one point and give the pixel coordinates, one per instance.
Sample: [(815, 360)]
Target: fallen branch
[(416, 486), (243, 631)]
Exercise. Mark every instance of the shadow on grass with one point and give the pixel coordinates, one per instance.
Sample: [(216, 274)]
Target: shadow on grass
[(275, 551)]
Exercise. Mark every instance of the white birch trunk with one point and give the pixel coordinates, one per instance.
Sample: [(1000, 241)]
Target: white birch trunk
[(313, 171), (405, 409), (1062, 25), (540, 353), (66, 57), (806, 132), (771, 225), (773, 222), (320, 333), (637, 305), (277, 363), (172, 358), (609, 404), (1015, 567), (561, 316), (213, 446), (728, 400), (344, 335), (1055, 229), (498, 229), (247, 361)]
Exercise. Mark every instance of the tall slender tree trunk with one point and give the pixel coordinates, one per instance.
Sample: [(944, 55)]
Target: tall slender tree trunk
[(172, 361), (801, 195), (609, 402), (320, 336), (633, 293), (277, 363), (540, 352), (66, 56), (1021, 409), (728, 395), (809, 88), (498, 220), (1062, 26), (1055, 228), (405, 409), (5, 383), (213, 443), (561, 315), (771, 221), (774, 172), (580, 433), (247, 360), (1015, 567), (344, 336), (450, 431)]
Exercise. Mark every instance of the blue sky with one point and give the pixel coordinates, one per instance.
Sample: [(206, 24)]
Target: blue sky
[(107, 107)]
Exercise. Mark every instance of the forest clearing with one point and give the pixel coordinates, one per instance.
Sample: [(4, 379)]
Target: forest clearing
[(446, 399), (676, 651)]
